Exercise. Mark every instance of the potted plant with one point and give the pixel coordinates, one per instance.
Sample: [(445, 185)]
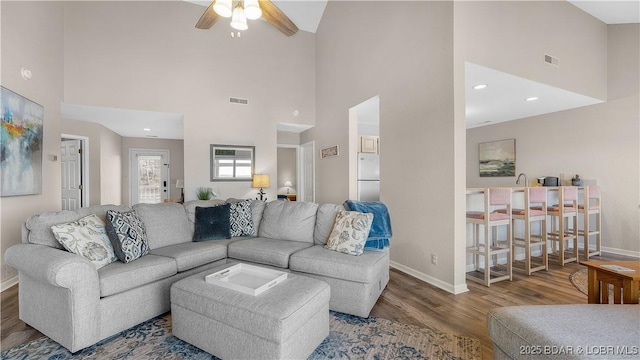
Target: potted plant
[(204, 193)]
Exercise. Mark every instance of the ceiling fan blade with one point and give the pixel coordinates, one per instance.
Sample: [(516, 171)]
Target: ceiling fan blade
[(208, 18), (277, 18)]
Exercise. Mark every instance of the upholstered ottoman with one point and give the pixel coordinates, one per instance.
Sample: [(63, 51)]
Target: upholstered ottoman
[(581, 331), (288, 321)]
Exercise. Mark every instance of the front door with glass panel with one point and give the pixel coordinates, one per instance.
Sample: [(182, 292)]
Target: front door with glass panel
[(149, 176)]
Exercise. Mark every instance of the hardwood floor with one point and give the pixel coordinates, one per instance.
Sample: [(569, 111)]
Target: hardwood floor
[(408, 300)]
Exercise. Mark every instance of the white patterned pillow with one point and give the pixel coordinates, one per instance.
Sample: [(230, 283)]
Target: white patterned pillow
[(86, 237), (350, 232), (127, 234), (241, 218)]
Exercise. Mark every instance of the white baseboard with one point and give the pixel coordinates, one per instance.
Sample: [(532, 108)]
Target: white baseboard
[(429, 279), (8, 283), (635, 254)]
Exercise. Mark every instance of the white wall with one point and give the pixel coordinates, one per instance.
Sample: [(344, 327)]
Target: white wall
[(32, 37), (513, 36), (403, 52), (288, 138), (176, 167), (149, 56), (599, 142)]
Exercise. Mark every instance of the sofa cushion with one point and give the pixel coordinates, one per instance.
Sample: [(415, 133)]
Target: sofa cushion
[(320, 261), (166, 224), (127, 234), (350, 232), (119, 277), (39, 227), (88, 238), (212, 223), (101, 210), (257, 209), (265, 251), (190, 209), (193, 254), (325, 218), (289, 220)]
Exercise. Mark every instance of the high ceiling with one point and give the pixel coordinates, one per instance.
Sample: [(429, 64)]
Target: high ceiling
[(501, 101), (611, 11), (306, 14)]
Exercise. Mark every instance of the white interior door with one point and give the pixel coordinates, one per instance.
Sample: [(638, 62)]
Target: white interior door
[(71, 172), (149, 176), (307, 167)]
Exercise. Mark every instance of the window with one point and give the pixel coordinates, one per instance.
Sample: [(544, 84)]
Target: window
[(231, 163)]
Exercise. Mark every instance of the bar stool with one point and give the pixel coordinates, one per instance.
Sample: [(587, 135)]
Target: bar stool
[(495, 199), (567, 208), (532, 196), (590, 206)]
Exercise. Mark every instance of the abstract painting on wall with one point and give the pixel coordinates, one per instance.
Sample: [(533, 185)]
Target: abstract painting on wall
[(497, 158), (21, 138)]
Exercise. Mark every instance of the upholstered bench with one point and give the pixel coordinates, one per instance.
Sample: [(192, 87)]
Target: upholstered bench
[(287, 321), (583, 331)]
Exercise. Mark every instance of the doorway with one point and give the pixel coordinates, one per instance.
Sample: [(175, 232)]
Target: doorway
[(74, 167), (288, 174), (364, 150), (149, 176)]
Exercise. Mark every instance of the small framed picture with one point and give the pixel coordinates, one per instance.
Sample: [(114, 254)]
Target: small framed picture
[(497, 158), (330, 151)]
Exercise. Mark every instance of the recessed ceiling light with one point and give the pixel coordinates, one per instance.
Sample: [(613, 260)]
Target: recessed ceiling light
[(146, 129), (480, 87), (533, 98)]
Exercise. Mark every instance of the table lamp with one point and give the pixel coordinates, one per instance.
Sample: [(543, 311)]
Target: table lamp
[(180, 185), (288, 184), (261, 181)]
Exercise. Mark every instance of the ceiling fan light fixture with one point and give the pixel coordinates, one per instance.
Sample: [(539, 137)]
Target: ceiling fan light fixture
[(239, 19), (223, 8), (252, 9)]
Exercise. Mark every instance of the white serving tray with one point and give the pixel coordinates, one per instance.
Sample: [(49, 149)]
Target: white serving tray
[(248, 279)]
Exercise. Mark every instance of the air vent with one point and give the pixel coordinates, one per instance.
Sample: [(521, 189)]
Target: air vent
[(239, 101), (552, 60)]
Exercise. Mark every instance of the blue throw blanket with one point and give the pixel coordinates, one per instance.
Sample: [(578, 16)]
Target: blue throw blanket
[(380, 232)]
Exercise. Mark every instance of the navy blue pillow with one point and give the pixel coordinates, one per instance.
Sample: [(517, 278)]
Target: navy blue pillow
[(212, 223)]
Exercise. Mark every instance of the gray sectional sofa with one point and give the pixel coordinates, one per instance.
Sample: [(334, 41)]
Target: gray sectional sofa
[(63, 295)]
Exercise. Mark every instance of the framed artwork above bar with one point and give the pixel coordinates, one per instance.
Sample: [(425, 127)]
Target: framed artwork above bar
[(497, 158)]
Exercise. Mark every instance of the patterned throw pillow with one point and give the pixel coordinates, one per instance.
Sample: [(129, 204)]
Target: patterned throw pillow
[(127, 234), (241, 219), (212, 223), (350, 232), (86, 237)]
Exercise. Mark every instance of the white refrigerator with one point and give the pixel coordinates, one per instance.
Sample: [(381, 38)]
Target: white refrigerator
[(368, 177)]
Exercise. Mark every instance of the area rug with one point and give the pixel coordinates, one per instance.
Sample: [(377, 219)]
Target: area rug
[(350, 337), (579, 279)]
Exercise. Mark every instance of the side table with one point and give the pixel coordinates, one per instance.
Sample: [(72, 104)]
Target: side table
[(625, 282)]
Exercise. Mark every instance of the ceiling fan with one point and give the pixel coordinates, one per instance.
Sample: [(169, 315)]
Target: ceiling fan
[(246, 9)]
